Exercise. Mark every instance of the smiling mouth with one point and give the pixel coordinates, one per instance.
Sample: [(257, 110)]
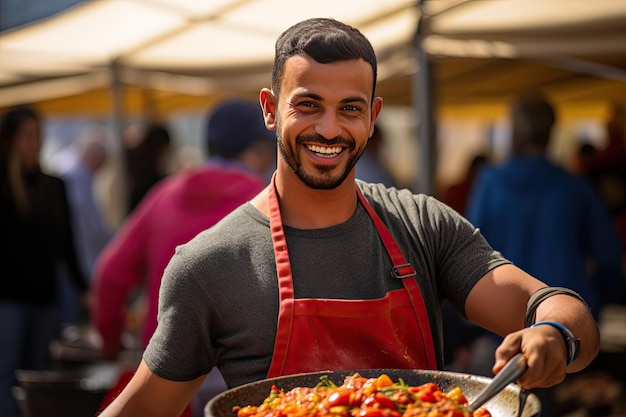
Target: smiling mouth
[(324, 151)]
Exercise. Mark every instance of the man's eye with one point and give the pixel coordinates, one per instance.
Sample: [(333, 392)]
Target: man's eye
[(352, 108), (307, 107)]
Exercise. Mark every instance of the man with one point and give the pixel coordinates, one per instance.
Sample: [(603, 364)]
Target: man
[(320, 232)]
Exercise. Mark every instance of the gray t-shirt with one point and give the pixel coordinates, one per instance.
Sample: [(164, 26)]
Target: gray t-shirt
[(219, 299)]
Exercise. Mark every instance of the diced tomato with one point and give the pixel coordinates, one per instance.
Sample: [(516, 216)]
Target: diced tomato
[(343, 397), (481, 412), (379, 401), (427, 397), (426, 393)]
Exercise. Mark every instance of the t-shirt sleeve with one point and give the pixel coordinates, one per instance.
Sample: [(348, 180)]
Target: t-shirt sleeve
[(462, 254), (178, 349)]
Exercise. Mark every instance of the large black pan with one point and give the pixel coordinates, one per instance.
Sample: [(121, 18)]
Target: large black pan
[(505, 404)]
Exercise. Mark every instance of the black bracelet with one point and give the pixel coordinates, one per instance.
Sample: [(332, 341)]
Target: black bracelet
[(540, 295), (572, 344)]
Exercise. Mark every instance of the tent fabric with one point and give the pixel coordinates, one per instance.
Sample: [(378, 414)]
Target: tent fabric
[(193, 47), (174, 54)]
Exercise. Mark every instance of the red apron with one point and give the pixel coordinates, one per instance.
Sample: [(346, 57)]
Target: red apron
[(330, 334)]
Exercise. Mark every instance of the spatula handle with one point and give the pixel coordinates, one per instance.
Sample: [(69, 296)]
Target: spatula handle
[(509, 373)]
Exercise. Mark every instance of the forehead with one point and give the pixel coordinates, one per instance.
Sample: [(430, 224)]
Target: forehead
[(336, 80)]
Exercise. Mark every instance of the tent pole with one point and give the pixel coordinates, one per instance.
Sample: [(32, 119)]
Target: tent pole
[(422, 92), (118, 188), (117, 102)]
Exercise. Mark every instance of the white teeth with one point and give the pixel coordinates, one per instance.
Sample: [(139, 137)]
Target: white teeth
[(324, 150)]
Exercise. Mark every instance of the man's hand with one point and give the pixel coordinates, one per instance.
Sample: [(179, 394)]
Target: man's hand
[(545, 353)]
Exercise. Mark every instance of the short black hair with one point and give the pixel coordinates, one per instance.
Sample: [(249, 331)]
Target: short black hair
[(325, 40), (533, 117)]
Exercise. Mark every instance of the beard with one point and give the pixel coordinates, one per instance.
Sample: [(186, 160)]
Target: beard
[(322, 177)]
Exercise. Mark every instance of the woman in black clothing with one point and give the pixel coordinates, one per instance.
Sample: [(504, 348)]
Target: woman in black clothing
[(35, 240)]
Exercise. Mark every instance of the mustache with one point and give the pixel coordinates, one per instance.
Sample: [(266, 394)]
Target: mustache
[(321, 140)]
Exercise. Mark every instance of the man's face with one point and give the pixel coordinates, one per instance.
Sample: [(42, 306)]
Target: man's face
[(324, 117)]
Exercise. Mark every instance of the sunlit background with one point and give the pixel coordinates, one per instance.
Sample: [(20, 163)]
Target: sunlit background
[(107, 63), (447, 72)]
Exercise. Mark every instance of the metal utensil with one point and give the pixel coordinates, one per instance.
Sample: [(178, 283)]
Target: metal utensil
[(511, 371), (523, 395)]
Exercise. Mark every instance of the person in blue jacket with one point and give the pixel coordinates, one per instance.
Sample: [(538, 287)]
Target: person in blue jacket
[(546, 220)]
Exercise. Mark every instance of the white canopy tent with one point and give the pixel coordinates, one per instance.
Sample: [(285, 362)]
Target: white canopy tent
[(482, 50), (485, 51), (194, 47), (118, 57)]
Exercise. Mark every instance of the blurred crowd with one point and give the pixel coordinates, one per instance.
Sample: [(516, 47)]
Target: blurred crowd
[(70, 268), (561, 225), (67, 266)]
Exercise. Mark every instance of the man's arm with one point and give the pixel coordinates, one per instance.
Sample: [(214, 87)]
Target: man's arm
[(498, 303), (149, 395)]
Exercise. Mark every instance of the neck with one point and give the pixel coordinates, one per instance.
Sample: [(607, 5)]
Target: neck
[(530, 150), (307, 208)]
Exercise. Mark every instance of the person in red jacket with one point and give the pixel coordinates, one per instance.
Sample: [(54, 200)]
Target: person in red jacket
[(177, 208)]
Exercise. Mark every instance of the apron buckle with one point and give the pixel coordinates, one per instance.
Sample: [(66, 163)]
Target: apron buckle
[(399, 274)]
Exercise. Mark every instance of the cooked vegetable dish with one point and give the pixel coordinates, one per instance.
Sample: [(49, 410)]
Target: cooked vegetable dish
[(363, 397)]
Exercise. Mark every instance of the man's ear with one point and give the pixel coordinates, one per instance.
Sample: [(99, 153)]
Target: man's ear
[(377, 105), (268, 104)]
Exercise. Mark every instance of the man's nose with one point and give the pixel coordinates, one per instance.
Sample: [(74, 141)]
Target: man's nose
[(328, 125)]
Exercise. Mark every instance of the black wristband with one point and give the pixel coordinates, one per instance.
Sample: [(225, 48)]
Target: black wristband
[(540, 295)]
